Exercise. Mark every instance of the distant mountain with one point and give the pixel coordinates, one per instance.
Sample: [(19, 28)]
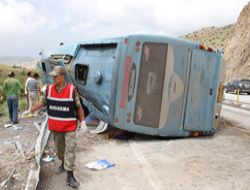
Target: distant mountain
[(26, 62)]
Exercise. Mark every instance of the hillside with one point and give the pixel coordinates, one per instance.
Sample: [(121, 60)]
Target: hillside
[(26, 62), (214, 37), (21, 73), (237, 52), (234, 40)]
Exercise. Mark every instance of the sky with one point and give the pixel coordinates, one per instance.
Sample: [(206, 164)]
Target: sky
[(28, 26)]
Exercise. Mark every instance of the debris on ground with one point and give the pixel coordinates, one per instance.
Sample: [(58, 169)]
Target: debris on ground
[(17, 151), (8, 125), (99, 165), (101, 128), (48, 158), (19, 148), (17, 127)]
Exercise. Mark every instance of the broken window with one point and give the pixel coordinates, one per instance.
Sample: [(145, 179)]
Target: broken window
[(44, 67), (81, 73)]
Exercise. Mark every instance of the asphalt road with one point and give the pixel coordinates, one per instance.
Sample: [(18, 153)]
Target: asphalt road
[(218, 162), (238, 115), (231, 112), (244, 98)]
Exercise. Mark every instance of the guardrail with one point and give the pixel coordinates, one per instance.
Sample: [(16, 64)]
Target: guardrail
[(41, 142)]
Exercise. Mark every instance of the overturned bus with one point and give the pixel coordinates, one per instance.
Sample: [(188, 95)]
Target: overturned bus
[(146, 84)]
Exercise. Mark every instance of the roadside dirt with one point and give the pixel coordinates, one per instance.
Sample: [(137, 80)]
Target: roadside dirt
[(24, 134), (83, 142)]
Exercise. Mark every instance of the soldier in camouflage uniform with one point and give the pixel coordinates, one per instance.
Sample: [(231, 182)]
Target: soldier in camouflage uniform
[(63, 108)]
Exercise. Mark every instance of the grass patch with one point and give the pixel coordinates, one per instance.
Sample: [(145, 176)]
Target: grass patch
[(21, 73)]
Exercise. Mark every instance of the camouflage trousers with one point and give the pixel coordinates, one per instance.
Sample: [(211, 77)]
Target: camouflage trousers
[(65, 147)]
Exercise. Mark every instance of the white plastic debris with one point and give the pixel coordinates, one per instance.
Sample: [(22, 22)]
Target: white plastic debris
[(48, 159), (17, 127), (99, 165), (9, 142), (102, 127), (8, 125)]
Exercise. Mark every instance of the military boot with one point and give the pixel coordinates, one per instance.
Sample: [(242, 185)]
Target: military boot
[(60, 169), (71, 180)]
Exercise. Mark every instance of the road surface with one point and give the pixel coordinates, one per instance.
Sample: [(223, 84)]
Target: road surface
[(244, 98), (238, 115), (218, 162)]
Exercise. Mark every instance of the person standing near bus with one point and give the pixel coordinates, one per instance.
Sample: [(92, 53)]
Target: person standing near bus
[(33, 89), (12, 89), (26, 87), (64, 110)]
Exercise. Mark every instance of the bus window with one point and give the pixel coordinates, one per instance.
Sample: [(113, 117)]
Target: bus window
[(150, 86), (82, 73)]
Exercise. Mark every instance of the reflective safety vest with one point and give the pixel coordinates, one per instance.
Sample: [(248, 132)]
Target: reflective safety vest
[(61, 109)]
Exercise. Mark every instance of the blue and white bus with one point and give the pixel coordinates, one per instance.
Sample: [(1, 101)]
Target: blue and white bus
[(147, 84)]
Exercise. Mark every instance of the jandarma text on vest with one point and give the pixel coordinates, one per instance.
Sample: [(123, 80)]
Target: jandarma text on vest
[(59, 108)]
